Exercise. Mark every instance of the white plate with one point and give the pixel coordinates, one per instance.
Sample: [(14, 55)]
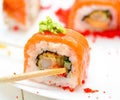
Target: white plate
[(103, 74)]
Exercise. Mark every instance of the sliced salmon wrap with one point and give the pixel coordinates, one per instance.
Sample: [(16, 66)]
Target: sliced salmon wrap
[(20, 14), (54, 47), (95, 16)]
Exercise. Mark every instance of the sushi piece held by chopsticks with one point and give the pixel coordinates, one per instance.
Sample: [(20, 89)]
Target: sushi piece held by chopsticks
[(54, 46), (24, 76)]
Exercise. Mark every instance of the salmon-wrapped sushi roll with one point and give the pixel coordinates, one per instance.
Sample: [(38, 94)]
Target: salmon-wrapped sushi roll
[(20, 14), (56, 47), (98, 17)]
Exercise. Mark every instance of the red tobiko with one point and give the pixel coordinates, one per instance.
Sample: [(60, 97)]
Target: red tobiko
[(63, 75), (16, 28), (88, 90), (68, 88), (63, 15), (107, 33)]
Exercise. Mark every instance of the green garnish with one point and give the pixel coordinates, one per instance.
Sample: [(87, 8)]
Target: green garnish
[(107, 13), (49, 25), (67, 63)]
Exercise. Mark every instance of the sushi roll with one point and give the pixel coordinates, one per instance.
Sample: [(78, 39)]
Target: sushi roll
[(57, 47), (96, 17), (20, 14)]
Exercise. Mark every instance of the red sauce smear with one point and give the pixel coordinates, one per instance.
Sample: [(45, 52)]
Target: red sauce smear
[(88, 90), (63, 15)]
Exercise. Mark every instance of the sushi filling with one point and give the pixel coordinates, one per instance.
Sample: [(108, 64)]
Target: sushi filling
[(49, 59), (98, 19)]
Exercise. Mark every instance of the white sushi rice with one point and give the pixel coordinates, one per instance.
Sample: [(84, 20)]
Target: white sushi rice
[(60, 49), (32, 12), (85, 10)]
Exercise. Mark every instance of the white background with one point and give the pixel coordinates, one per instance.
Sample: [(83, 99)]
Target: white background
[(103, 74)]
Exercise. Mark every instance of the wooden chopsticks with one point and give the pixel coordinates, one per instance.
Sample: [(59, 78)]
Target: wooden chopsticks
[(24, 76)]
